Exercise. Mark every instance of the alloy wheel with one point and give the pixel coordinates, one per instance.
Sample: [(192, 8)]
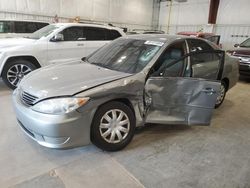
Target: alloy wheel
[(16, 73)]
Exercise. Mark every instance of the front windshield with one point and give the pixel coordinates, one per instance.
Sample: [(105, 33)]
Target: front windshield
[(246, 43), (126, 55), (43, 32)]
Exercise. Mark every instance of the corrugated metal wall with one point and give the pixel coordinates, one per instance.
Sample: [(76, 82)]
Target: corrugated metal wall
[(127, 13)]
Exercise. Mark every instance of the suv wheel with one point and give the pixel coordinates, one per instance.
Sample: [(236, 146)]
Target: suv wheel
[(14, 71), (113, 126)]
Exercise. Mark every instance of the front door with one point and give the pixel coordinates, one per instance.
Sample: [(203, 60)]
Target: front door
[(182, 92)]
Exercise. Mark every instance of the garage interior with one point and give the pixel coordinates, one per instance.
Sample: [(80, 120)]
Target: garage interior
[(214, 156)]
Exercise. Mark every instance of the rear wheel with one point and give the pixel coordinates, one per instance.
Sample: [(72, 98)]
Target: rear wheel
[(113, 126), (14, 71), (222, 94)]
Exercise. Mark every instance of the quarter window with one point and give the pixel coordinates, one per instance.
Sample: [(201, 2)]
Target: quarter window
[(94, 33), (112, 34)]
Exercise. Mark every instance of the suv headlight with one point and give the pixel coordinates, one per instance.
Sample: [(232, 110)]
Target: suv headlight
[(59, 105)]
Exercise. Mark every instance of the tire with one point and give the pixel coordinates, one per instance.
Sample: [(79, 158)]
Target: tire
[(15, 70), (222, 95), (102, 137)]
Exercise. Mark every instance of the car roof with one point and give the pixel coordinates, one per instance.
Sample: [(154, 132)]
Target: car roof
[(158, 37), (89, 25), (190, 33)]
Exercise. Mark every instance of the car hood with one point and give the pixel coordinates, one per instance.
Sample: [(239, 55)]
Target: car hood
[(241, 52), (13, 42), (67, 79)]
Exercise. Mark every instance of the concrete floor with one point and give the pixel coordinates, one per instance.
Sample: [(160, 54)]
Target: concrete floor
[(217, 156)]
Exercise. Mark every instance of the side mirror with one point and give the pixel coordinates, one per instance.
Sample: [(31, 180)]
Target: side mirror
[(58, 37), (84, 58), (236, 45)]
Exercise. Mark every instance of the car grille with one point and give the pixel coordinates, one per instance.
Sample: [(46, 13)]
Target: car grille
[(28, 99)]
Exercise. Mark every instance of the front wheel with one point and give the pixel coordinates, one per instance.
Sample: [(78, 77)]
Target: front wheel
[(14, 71), (221, 95), (113, 126)]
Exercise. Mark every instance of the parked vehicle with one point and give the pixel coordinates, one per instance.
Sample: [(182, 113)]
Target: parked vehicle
[(55, 43), (131, 81), (16, 28), (143, 31), (208, 36), (242, 52)]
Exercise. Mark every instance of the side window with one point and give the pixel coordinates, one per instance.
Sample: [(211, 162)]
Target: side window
[(31, 27), (112, 34), (5, 27), (206, 65), (73, 34), (19, 27), (94, 33), (171, 63)]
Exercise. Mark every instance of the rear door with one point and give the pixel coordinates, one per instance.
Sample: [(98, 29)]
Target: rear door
[(180, 93), (71, 48), (95, 38)]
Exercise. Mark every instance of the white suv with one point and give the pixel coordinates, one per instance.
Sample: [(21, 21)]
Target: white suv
[(55, 43)]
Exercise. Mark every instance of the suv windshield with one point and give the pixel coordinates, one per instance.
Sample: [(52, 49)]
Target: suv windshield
[(246, 43), (126, 55), (44, 32)]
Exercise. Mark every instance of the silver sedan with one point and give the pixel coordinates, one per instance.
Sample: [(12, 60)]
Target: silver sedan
[(129, 82)]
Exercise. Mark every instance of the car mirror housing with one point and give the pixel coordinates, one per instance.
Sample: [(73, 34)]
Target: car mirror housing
[(236, 45), (58, 37), (84, 58)]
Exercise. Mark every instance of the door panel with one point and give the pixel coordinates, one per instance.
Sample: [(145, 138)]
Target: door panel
[(176, 100), (65, 51)]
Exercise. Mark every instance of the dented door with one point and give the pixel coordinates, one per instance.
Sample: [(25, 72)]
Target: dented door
[(189, 95), (180, 100)]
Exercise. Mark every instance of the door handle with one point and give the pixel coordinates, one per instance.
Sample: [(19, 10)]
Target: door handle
[(209, 91), (80, 44)]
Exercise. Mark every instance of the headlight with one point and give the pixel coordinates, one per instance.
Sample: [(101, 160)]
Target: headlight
[(59, 105)]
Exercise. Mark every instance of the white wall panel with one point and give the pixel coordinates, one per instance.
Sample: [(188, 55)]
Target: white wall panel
[(192, 12), (101, 10), (21, 5), (9, 5), (234, 12), (135, 13), (84, 9), (51, 7)]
